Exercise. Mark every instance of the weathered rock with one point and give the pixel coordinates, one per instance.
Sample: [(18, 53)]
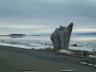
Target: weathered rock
[(61, 37), (55, 39)]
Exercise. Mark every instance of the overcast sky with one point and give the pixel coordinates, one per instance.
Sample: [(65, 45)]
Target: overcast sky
[(42, 16)]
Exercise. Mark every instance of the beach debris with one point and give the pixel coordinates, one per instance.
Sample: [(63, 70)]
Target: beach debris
[(67, 71), (61, 37), (92, 56), (65, 51), (29, 71), (94, 65), (83, 62), (89, 62)]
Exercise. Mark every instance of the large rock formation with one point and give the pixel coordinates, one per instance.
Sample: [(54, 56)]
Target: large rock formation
[(55, 39), (61, 37)]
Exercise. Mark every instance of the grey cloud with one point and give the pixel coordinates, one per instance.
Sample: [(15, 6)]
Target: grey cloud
[(43, 9), (47, 12)]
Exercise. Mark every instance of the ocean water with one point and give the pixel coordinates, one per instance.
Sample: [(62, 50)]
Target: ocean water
[(86, 41)]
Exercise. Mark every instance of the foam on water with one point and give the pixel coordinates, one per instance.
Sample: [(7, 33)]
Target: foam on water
[(80, 48), (15, 45), (39, 45), (27, 45), (42, 41)]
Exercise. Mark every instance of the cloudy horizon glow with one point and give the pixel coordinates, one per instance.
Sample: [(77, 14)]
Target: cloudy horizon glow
[(43, 16)]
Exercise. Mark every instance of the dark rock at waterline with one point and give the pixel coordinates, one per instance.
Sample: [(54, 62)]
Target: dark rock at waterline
[(74, 45), (16, 35)]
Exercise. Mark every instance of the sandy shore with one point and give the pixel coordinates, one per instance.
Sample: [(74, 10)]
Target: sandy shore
[(17, 60)]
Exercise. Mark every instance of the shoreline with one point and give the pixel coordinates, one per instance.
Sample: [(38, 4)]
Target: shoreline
[(41, 45), (14, 59)]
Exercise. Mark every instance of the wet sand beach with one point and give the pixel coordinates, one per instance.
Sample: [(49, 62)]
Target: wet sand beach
[(17, 60)]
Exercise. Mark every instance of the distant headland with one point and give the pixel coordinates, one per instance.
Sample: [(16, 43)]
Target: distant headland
[(15, 35)]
